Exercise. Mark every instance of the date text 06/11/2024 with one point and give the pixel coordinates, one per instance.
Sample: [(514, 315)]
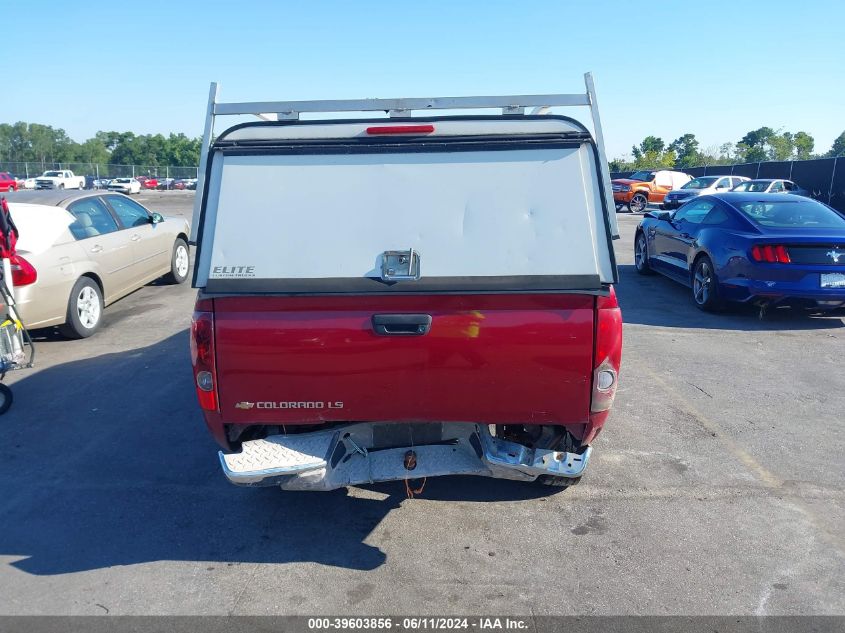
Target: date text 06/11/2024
[(418, 623)]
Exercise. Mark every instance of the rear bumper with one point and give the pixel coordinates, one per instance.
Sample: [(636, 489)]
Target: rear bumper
[(351, 455), (807, 288)]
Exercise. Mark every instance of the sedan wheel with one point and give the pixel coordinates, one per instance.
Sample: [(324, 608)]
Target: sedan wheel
[(88, 307), (180, 261), (638, 203), (705, 286), (641, 255), (85, 309)]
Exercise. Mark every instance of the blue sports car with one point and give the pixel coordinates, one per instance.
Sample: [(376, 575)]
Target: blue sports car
[(756, 248)]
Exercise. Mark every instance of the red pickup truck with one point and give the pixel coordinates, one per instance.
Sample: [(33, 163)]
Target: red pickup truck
[(398, 298)]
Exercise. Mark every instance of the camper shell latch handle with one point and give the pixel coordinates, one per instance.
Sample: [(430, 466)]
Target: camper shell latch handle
[(400, 265)]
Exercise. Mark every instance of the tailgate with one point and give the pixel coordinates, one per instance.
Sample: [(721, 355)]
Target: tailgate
[(513, 358)]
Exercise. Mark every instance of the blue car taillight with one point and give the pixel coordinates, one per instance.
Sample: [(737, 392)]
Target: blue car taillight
[(770, 253)]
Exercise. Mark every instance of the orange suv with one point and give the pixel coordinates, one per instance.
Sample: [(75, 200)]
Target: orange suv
[(642, 187)]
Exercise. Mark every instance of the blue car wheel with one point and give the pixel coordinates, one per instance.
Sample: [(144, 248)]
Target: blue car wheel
[(705, 285)]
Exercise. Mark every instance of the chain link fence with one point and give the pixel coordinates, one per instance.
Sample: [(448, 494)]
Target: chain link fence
[(94, 171)]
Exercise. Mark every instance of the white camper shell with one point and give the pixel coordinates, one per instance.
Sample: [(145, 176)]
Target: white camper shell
[(510, 202)]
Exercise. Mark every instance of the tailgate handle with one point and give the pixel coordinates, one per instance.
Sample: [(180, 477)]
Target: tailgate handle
[(401, 324)]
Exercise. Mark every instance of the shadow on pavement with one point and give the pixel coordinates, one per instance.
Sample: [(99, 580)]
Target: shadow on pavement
[(658, 300), (106, 461)]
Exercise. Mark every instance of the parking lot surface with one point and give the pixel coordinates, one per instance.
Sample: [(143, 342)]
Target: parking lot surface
[(717, 486)]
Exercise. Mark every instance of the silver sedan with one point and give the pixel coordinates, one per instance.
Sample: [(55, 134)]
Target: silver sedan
[(80, 251)]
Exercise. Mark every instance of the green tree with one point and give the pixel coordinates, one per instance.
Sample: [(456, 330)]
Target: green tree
[(183, 151), (781, 146), (754, 146), (686, 151), (110, 140), (91, 151), (804, 145), (653, 159), (651, 144), (838, 147), (620, 164), (35, 142), (125, 150)]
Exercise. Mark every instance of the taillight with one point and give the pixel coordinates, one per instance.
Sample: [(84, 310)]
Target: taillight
[(23, 273), (202, 358), (400, 129), (608, 352), (770, 253)]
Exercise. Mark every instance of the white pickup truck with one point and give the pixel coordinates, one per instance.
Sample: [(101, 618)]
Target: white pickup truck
[(59, 179)]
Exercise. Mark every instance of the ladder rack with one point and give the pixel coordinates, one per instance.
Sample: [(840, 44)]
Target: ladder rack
[(401, 107)]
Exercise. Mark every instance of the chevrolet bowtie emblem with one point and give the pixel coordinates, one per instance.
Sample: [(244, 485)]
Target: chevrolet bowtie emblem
[(244, 405)]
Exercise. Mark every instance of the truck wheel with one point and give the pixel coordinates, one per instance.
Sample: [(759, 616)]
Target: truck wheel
[(81, 186), (61, 185), (6, 399), (568, 443), (180, 261), (638, 203), (84, 310), (641, 255), (705, 285)]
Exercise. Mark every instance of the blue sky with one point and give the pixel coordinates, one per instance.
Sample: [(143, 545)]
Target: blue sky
[(716, 69)]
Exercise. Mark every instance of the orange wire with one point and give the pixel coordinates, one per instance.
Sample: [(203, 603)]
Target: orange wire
[(411, 491)]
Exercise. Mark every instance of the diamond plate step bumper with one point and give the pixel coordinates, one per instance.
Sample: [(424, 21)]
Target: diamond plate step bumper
[(357, 454)]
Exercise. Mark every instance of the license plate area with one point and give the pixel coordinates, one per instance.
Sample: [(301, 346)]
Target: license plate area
[(833, 280)]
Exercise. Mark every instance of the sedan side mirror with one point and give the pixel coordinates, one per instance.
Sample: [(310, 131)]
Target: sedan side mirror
[(156, 218), (659, 215)]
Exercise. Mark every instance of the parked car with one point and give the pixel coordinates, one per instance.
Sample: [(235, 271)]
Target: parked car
[(164, 184), (191, 184), (101, 183), (764, 249), (124, 185), (772, 185), (644, 187), (59, 179), (700, 186), (28, 183), (490, 345), (8, 182), (178, 184), (79, 252), (150, 183)]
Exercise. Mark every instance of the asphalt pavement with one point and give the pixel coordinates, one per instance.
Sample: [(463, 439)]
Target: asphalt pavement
[(715, 488)]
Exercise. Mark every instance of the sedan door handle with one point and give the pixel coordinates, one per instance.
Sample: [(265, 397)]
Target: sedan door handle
[(401, 324), (96, 248), (135, 237)]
